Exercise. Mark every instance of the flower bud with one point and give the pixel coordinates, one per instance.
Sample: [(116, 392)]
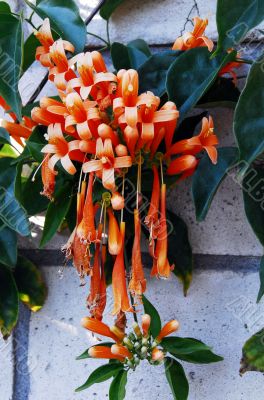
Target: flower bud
[(137, 329), (117, 201)]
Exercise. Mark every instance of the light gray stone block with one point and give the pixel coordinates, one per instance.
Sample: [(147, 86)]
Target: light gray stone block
[(6, 362), (215, 311)]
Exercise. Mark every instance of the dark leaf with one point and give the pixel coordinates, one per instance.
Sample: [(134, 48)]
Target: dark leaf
[(253, 354), (4, 136), (118, 386), (4, 7), (208, 177), (109, 7), (155, 325), (223, 93), (261, 276), (8, 245), (126, 57), (30, 47), (36, 142), (8, 301), (196, 67), (101, 374), (141, 45), (177, 379), (31, 287)]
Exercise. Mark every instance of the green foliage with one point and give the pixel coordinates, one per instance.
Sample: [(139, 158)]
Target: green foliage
[(253, 354), (101, 374), (155, 325), (177, 379), (64, 18), (261, 276), (196, 67), (235, 19), (179, 249), (30, 47), (208, 177), (30, 284), (109, 7), (8, 301), (126, 57), (4, 136), (11, 59), (118, 386), (8, 245), (249, 119), (190, 350), (4, 7), (223, 93)]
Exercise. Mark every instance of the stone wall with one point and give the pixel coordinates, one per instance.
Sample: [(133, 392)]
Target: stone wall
[(38, 361)]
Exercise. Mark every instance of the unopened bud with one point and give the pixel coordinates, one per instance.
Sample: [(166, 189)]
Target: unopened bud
[(119, 334), (144, 341), (137, 329), (128, 343), (144, 350)]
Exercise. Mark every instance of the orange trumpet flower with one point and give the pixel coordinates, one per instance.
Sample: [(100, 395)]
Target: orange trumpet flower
[(121, 351), (107, 163), (137, 284), (114, 236), (189, 40), (146, 320), (153, 213), (48, 178), (157, 355), (104, 352), (184, 165), (170, 327), (98, 327), (121, 300)]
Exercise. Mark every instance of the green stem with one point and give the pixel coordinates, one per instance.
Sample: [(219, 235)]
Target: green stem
[(244, 61), (30, 23), (98, 37)]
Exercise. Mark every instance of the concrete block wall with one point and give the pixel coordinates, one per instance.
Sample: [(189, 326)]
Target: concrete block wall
[(38, 362)]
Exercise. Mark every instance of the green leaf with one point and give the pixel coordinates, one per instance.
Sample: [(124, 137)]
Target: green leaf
[(208, 177), (261, 276), (190, 350), (101, 374), (8, 151), (235, 19), (4, 7), (64, 19), (223, 93), (11, 60), (141, 45), (109, 7), (249, 116), (126, 57), (253, 354), (30, 47), (179, 249), (196, 67), (36, 142), (155, 325), (177, 379), (11, 212), (117, 389), (8, 301), (31, 287), (8, 246), (56, 212), (4, 136), (152, 74), (85, 354)]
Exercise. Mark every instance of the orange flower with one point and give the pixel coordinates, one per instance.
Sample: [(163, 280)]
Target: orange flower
[(98, 327), (137, 284), (16, 130), (189, 40), (152, 218), (48, 178), (61, 73), (146, 320), (161, 265), (184, 165), (114, 236), (104, 352), (61, 149), (107, 163), (121, 300), (86, 229), (117, 201), (157, 355), (229, 69), (170, 327), (121, 351), (206, 140)]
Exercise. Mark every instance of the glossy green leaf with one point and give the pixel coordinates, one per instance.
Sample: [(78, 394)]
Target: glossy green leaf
[(155, 325), (30, 47), (117, 389), (85, 354), (57, 210), (152, 74), (109, 7), (235, 19), (11, 212), (31, 287), (196, 67), (4, 7), (101, 374), (179, 249), (64, 19), (208, 177), (141, 45), (4, 136), (36, 142), (177, 379), (261, 277), (253, 354), (190, 350), (125, 57), (8, 151), (11, 60), (249, 116), (223, 93), (8, 245), (8, 301)]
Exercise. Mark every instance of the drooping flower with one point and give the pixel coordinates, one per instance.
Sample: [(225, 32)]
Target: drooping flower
[(98, 327), (104, 352), (170, 327), (114, 236), (121, 351), (196, 38), (48, 178)]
